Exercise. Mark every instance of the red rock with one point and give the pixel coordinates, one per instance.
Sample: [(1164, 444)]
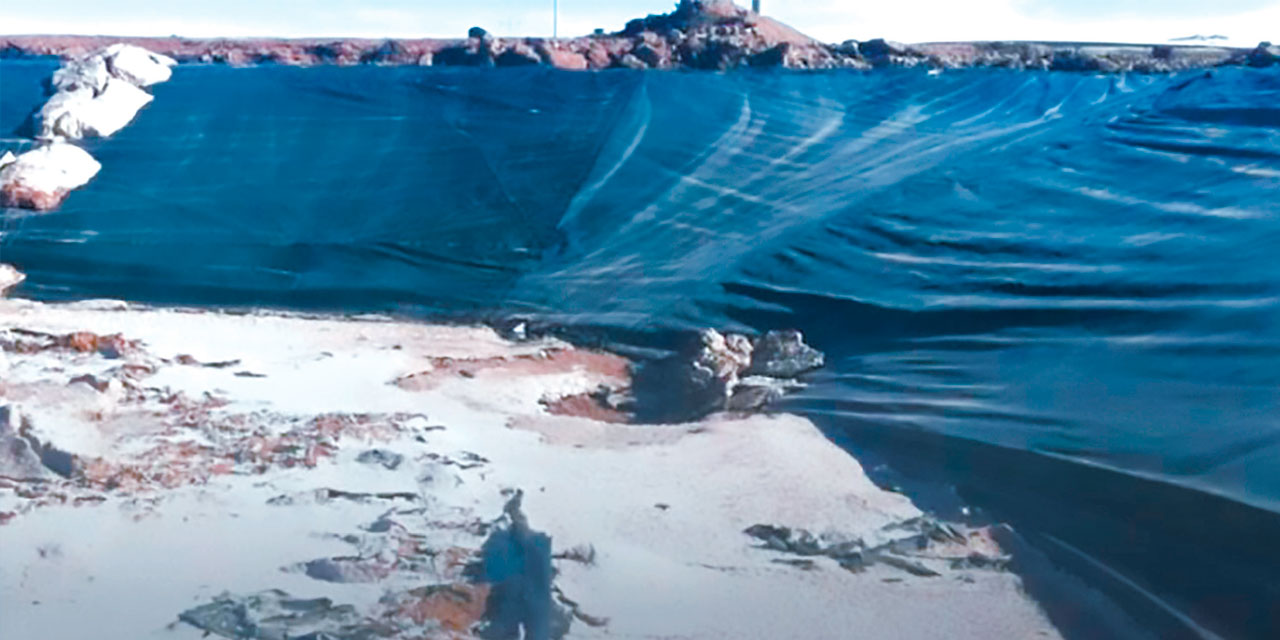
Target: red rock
[(112, 346), (518, 54), (115, 345), (598, 56), (564, 59), (20, 196), (82, 341)]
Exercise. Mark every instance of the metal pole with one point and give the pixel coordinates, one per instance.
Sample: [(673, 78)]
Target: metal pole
[(555, 18)]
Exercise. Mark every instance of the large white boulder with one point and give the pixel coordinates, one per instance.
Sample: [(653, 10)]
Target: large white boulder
[(73, 115), (135, 65), (99, 94), (40, 179), (85, 74), (139, 66)]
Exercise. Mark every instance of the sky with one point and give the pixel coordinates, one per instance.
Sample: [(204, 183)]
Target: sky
[(1245, 22)]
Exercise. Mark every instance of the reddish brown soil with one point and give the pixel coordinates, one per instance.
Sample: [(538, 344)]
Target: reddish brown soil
[(586, 405), (457, 607), (552, 361)]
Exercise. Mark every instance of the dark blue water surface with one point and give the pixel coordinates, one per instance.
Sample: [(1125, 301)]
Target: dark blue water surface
[(1061, 290)]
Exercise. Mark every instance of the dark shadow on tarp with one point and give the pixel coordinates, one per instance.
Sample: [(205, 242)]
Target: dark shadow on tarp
[(1181, 561)]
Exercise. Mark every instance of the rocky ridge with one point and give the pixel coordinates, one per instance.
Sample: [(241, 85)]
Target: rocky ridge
[(698, 34)]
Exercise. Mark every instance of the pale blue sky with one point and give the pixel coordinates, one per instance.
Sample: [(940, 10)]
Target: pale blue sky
[(1245, 21)]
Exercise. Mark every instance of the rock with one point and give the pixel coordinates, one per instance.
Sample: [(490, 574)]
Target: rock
[(517, 55), (717, 34), (74, 115), (693, 383), (514, 329), (389, 52), (562, 58), (717, 363), (113, 346), (775, 57), (99, 94), (597, 56), (326, 495), (783, 354), (711, 53), (101, 385), (1264, 55), (127, 63), (881, 48), (136, 65), (725, 356), (9, 278), (1073, 60), (982, 561), (388, 459), (714, 27), (24, 457), (804, 543), (40, 179), (477, 51), (630, 61), (912, 567), (77, 75), (340, 53), (656, 57), (754, 394), (792, 56), (19, 457)]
